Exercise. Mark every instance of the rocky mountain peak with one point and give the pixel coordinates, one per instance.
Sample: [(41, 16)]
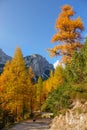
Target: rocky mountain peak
[(4, 57), (39, 64)]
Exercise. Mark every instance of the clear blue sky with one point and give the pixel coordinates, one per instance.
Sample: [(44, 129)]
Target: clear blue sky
[(29, 24)]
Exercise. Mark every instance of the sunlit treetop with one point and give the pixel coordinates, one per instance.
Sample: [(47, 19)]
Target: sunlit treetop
[(68, 34)]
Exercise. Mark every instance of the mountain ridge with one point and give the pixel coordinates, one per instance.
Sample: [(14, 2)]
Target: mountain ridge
[(39, 64)]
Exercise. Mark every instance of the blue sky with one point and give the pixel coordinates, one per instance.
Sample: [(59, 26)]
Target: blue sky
[(29, 24)]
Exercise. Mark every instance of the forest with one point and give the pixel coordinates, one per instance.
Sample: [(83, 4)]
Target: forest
[(21, 95)]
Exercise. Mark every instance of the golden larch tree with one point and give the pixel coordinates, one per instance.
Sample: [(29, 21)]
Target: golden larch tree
[(18, 82), (31, 91), (39, 92), (5, 93), (68, 34)]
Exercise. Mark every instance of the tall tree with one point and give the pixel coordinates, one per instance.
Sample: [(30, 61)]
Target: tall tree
[(39, 91), (13, 80), (18, 79), (68, 34), (5, 94), (31, 90), (58, 76), (55, 80)]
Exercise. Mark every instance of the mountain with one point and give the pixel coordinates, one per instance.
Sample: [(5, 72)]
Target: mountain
[(3, 58), (39, 64)]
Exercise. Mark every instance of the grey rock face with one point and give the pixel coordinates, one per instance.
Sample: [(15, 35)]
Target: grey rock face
[(39, 64), (4, 57)]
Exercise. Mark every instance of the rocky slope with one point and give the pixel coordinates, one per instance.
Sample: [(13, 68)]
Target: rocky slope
[(3, 59), (74, 119), (39, 64)]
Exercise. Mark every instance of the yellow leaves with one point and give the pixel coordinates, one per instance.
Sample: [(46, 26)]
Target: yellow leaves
[(68, 33), (16, 86), (63, 23), (69, 25), (66, 8), (65, 50), (30, 72), (56, 78), (66, 59), (78, 24)]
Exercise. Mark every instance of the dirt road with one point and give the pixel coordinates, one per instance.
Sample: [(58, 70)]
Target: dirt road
[(41, 124)]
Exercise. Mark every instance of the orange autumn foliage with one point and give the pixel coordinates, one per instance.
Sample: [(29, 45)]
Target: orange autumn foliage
[(55, 80), (68, 34)]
